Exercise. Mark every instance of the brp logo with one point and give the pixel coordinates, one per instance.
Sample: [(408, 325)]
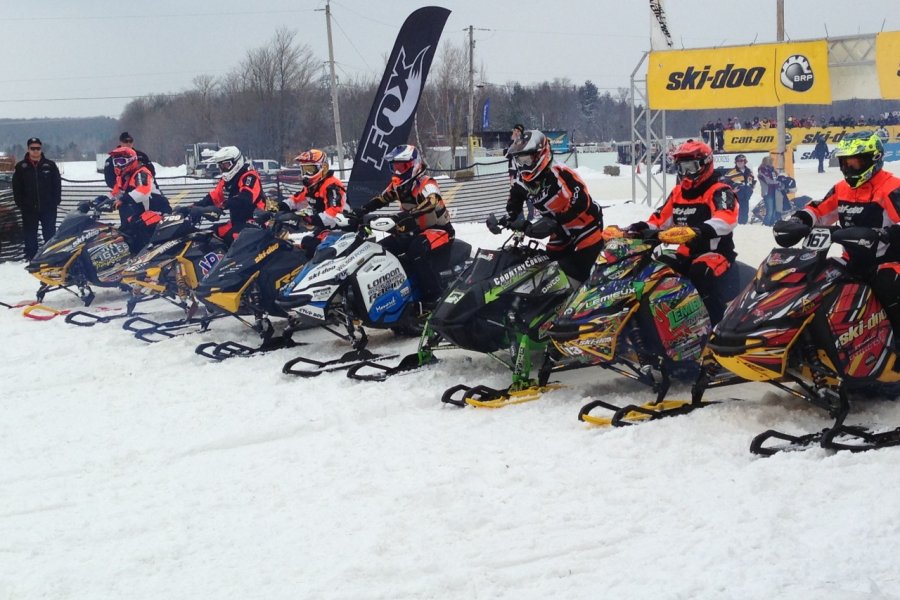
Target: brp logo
[(796, 74)]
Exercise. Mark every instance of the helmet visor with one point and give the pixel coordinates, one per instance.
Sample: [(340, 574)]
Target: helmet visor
[(121, 161), (399, 167), (525, 160), (226, 165), (689, 168), (309, 169)]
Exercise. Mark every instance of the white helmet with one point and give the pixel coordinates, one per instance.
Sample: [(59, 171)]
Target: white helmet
[(229, 160)]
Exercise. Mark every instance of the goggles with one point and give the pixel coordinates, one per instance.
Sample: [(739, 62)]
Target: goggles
[(309, 169), (121, 161), (525, 160), (400, 167), (225, 165), (689, 167)]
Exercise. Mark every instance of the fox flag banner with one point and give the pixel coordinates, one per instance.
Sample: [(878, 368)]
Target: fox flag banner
[(391, 118)]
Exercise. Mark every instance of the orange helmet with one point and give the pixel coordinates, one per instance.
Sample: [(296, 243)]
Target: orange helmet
[(313, 166), (694, 162), (124, 159), (531, 154)]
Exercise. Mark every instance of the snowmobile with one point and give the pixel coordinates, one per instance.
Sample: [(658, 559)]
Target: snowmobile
[(637, 316), (810, 328), (354, 283), (177, 258), (84, 252), (244, 283), (501, 306)]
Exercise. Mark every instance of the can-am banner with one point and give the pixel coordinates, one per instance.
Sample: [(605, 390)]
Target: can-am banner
[(751, 140), (739, 76), (887, 63)]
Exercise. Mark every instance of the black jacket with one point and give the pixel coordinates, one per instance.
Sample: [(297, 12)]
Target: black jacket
[(109, 172), (37, 188)]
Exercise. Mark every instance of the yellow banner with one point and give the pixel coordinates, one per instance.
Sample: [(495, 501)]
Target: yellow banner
[(887, 63), (754, 140), (739, 76)]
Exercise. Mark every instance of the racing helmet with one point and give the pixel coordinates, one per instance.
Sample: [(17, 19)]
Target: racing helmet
[(693, 162), (313, 166), (229, 160), (868, 148), (406, 164), (531, 154), (123, 158)]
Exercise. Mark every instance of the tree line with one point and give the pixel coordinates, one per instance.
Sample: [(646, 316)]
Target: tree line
[(277, 102)]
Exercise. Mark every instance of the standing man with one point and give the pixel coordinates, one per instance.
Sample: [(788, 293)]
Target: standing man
[(109, 173), (37, 190), (820, 152), (741, 180)]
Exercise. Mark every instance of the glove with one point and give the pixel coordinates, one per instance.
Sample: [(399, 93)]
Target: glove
[(405, 222), (790, 231), (494, 224), (678, 235), (183, 210), (84, 207), (637, 229), (612, 232)]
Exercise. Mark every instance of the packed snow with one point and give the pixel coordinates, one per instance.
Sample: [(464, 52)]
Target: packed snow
[(145, 471)]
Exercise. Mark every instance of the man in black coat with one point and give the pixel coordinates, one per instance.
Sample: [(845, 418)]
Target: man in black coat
[(37, 191), (125, 139)]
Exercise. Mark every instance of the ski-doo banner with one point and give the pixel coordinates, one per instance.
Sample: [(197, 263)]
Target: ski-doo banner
[(751, 140), (394, 108), (887, 63), (739, 76)]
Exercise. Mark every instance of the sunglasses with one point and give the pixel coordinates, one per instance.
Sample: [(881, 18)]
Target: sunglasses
[(34, 148)]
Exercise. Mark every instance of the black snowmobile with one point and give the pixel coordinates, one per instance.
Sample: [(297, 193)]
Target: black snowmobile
[(84, 252), (246, 281), (500, 306)]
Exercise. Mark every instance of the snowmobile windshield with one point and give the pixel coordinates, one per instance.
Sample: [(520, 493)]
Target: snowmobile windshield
[(73, 224), (251, 240), (170, 229)]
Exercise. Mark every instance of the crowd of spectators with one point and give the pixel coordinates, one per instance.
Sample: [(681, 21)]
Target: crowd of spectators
[(713, 131)]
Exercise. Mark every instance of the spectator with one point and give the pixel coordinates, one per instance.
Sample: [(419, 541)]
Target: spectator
[(742, 181), (109, 173), (37, 191), (768, 182), (820, 153)]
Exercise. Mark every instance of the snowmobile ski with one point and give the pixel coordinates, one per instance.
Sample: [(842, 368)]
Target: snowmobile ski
[(220, 351), (369, 370), (87, 319), (482, 396), (19, 304), (633, 414), (154, 331), (42, 312), (345, 361)]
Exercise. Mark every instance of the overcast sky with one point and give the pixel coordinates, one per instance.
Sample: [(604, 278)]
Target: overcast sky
[(68, 58)]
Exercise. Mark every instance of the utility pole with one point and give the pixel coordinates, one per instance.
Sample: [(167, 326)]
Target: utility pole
[(338, 140), (779, 110), (470, 159)]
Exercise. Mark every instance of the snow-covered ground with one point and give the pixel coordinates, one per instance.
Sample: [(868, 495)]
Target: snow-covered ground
[(145, 471)]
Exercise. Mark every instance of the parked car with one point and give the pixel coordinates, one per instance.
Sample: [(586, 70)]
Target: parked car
[(266, 166)]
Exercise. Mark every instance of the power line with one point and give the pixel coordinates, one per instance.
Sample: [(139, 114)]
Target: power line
[(336, 22), (151, 15)]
